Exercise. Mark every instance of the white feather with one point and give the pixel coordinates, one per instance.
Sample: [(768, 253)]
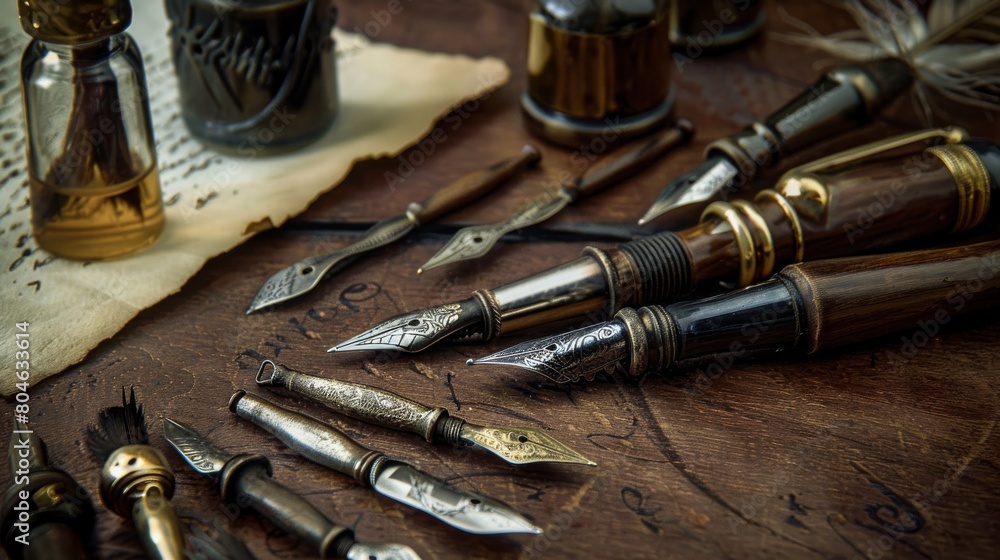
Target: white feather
[(967, 72)]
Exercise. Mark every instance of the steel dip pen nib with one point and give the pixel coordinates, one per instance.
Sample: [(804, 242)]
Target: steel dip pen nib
[(516, 445), (475, 241), (306, 274), (392, 478)]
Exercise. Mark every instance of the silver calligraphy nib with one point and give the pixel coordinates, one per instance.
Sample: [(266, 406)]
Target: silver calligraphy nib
[(248, 478), (696, 188), (395, 479), (475, 241), (573, 356), (516, 445), (306, 274), (417, 330)]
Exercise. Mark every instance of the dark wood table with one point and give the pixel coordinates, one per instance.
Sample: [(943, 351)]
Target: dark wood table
[(850, 454)]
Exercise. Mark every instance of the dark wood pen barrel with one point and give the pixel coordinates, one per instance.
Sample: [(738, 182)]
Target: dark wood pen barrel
[(819, 305), (855, 299)]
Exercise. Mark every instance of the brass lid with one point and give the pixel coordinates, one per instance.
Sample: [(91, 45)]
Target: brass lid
[(73, 22)]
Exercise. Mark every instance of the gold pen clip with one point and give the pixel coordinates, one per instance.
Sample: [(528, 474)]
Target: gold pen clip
[(950, 134)]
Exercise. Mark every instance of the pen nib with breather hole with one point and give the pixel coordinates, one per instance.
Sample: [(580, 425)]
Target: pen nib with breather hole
[(516, 445), (417, 330), (567, 357), (305, 275), (695, 188)]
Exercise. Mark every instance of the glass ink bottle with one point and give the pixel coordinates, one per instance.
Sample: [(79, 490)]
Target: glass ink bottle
[(598, 69), (257, 77), (95, 190)]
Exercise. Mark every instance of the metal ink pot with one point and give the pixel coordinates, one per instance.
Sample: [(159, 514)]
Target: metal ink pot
[(256, 77), (598, 68)]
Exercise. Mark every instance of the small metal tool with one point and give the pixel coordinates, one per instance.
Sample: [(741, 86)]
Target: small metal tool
[(377, 406), (475, 241), (248, 477), (395, 479), (55, 520), (306, 274), (136, 480)]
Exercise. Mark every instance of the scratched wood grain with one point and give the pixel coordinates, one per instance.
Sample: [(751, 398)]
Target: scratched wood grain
[(888, 450)]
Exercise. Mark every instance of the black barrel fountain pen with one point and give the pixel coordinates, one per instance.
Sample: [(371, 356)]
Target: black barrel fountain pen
[(842, 100), (516, 445), (246, 479), (806, 307), (392, 478), (44, 513), (855, 201)]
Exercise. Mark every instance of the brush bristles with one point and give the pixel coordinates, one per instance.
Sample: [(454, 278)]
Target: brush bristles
[(117, 426)]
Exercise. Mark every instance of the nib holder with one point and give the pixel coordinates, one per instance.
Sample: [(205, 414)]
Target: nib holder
[(60, 514), (375, 406), (247, 479), (844, 99), (329, 447)]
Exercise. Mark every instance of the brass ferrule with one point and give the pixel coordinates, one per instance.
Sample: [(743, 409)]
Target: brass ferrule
[(972, 181), (652, 338), (128, 472)]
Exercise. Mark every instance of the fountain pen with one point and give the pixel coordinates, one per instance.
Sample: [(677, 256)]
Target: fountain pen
[(807, 307), (842, 100), (848, 203)]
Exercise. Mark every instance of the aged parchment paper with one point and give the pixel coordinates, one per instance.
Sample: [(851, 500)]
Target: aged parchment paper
[(390, 98)]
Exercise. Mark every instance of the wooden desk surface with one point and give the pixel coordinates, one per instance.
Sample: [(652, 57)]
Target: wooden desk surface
[(851, 454)]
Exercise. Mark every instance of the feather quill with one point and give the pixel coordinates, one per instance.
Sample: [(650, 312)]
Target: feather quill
[(966, 70)]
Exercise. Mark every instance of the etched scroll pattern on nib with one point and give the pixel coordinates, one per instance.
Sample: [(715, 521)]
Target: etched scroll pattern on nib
[(506, 442), (577, 355), (428, 324)]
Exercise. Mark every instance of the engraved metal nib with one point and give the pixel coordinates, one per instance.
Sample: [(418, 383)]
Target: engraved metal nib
[(417, 330), (464, 510), (520, 446), (695, 188), (475, 241), (303, 276), (568, 357)]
